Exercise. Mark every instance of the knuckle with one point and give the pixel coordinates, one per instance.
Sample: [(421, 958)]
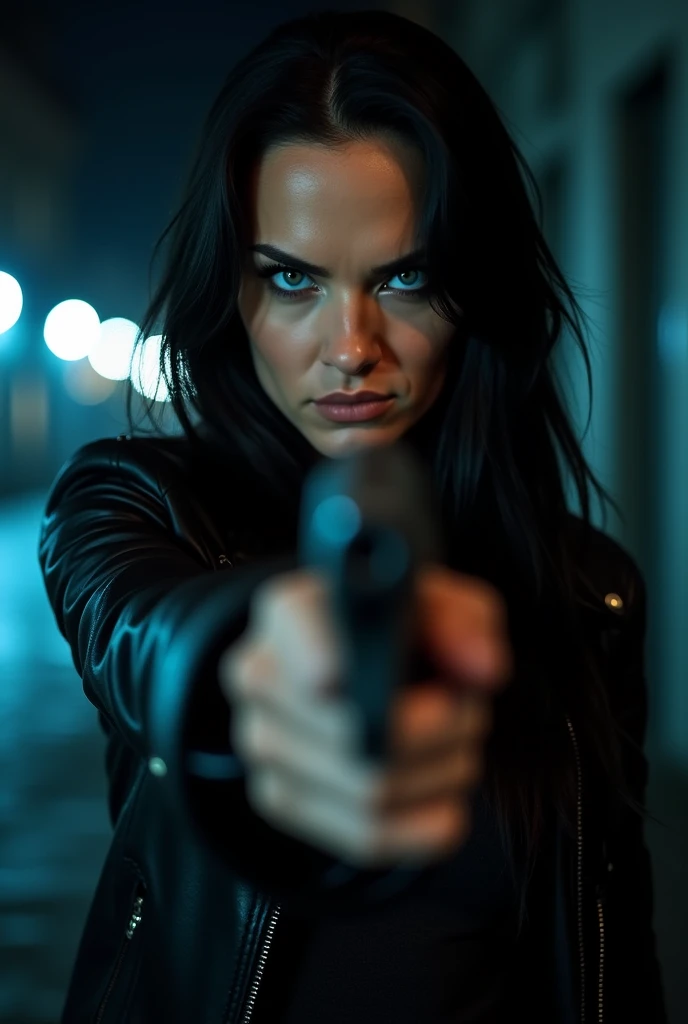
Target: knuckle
[(280, 801), (282, 590), (236, 669), (253, 738), (260, 741)]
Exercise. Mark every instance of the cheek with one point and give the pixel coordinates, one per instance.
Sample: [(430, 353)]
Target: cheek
[(272, 356), (278, 354), (424, 353), (281, 363)]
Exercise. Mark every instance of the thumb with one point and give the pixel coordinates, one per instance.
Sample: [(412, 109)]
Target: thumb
[(463, 628)]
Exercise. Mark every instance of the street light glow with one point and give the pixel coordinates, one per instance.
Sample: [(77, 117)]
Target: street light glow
[(111, 354), (11, 301), (71, 329)]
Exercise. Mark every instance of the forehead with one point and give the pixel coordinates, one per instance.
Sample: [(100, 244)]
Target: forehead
[(302, 190)]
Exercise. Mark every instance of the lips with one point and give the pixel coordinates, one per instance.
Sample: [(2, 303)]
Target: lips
[(354, 412), (352, 398)]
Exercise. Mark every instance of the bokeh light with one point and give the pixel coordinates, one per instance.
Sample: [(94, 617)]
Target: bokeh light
[(111, 354), (145, 373), (11, 301), (71, 329), (84, 385)]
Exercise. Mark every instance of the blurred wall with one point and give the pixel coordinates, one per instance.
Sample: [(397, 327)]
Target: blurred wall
[(595, 93), (40, 133)]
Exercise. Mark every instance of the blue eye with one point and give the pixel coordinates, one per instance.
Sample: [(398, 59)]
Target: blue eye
[(272, 270), (411, 291)]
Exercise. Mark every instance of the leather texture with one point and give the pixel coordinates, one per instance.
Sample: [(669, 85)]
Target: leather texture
[(149, 583)]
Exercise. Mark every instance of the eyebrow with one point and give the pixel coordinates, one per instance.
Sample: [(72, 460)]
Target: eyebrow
[(384, 270)]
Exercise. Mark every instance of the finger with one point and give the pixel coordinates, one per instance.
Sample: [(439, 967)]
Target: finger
[(330, 722), (462, 623), (454, 772), (307, 814), (361, 838), (426, 719), (297, 617), (430, 718), (245, 670), (263, 742), (426, 833), (348, 782)]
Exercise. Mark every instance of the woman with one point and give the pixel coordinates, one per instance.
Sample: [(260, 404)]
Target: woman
[(357, 219)]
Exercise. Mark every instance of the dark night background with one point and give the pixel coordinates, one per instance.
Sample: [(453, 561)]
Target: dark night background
[(100, 106)]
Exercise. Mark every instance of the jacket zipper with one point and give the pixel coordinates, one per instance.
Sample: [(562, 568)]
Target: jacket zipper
[(579, 871), (258, 976), (134, 921), (600, 984), (267, 942), (579, 887)]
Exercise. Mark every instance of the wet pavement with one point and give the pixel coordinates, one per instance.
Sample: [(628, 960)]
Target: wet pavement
[(54, 830)]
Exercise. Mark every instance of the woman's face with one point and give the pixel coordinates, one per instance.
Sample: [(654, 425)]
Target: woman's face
[(345, 328)]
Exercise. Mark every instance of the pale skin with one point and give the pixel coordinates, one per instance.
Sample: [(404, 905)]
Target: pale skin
[(347, 210)]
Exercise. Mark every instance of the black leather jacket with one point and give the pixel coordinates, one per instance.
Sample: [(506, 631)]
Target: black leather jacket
[(147, 584)]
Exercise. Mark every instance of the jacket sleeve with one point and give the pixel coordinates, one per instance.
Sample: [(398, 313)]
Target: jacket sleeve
[(634, 989), (146, 618)]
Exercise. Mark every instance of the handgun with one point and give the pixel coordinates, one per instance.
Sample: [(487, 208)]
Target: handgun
[(368, 523)]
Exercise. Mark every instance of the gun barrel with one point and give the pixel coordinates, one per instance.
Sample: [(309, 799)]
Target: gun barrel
[(368, 523)]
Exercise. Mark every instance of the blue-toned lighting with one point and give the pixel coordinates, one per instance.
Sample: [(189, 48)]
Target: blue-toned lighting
[(111, 353), (84, 385), (11, 301), (337, 519), (71, 329)]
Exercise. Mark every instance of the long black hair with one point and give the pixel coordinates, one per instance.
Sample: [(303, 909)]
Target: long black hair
[(499, 439)]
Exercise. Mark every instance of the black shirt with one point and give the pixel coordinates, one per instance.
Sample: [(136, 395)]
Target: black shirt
[(438, 955)]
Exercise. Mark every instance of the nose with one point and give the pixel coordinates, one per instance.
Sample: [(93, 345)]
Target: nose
[(352, 345), (351, 361)]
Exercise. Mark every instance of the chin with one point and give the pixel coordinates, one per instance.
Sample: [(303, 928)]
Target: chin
[(350, 440)]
